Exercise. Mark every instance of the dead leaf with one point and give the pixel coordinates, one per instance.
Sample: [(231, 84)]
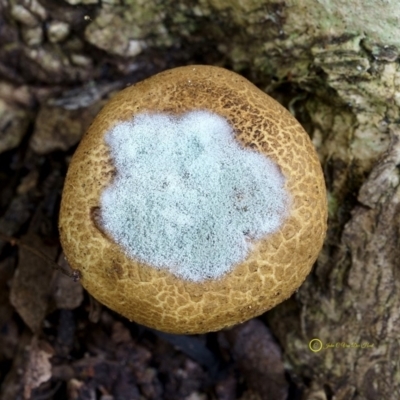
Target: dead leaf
[(38, 369), (67, 293), (31, 285), (259, 359)]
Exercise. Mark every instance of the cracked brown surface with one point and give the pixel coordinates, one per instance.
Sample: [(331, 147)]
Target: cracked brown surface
[(274, 269)]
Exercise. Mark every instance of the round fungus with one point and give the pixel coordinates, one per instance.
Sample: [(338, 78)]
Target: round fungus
[(193, 203)]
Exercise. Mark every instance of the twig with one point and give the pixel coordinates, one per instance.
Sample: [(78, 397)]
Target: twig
[(74, 273)]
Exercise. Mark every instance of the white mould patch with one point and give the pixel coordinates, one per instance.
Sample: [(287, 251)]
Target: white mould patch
[(187, 196)]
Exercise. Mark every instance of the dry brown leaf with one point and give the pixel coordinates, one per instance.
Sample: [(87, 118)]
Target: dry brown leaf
[(62, 121), (67, 293), (259, 359), (38, 369), (31, 285)]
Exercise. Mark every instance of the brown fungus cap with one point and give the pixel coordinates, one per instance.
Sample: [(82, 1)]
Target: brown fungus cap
[(277, 263)]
